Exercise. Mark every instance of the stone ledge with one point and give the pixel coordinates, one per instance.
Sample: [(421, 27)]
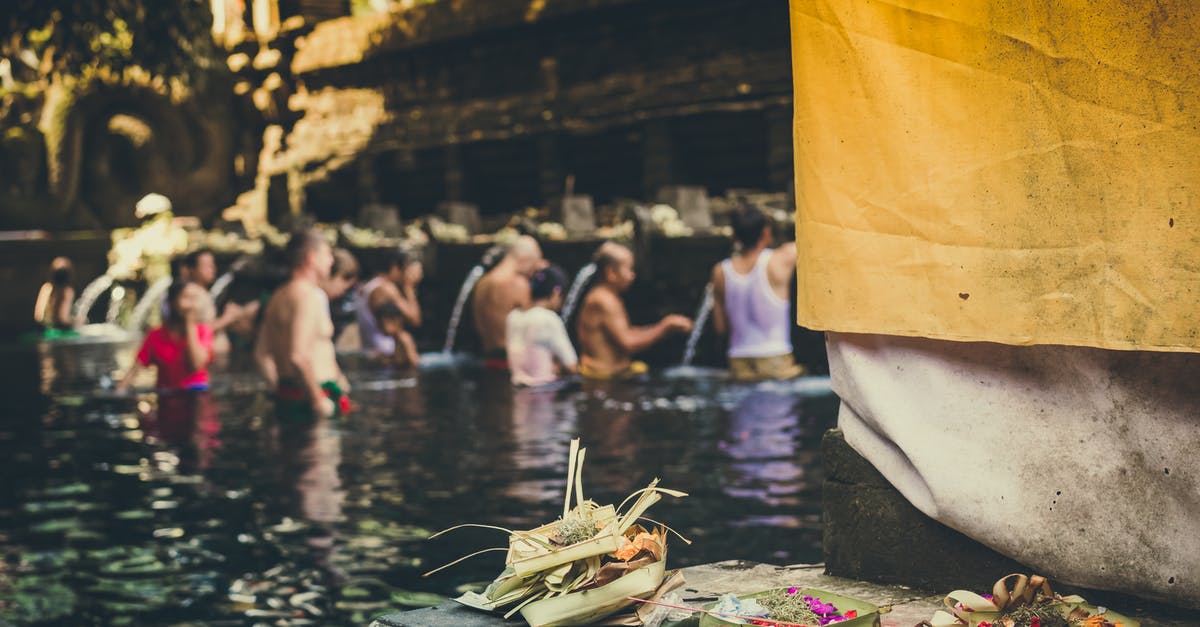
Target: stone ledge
[(908, 606), (705, 583)]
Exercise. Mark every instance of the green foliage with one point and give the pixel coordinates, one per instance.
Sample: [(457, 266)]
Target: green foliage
[(169, 40)]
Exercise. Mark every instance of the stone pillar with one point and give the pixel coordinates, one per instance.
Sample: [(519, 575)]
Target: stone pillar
[(297, 194), (455, 179), (551, 170), (276, 196), (658, 167), (780, 159), (368, 189)]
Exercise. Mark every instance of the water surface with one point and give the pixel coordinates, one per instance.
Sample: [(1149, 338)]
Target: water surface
[(205, 509)]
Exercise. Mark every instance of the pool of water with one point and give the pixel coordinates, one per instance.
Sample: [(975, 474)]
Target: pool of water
[(204, 509)]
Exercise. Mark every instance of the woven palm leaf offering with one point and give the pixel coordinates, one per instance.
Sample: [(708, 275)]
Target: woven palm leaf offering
[(1030, 602), (789, 607), (586, 566)]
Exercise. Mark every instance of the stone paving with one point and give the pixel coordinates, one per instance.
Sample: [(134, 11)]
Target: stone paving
[(908, 606)]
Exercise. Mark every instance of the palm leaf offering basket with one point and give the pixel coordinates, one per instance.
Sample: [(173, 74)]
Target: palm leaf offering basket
[(1029, 602), (587, 565), (827, 608)]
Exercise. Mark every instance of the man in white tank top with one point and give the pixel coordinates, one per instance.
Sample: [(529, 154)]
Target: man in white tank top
[(750, 301)]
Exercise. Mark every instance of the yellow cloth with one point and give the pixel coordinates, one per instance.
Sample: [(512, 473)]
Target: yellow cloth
[(764, 368), (634, 369), (1017, 172)]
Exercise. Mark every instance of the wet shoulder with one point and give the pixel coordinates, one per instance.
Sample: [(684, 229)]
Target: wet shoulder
[(599, 302), (542, 316)]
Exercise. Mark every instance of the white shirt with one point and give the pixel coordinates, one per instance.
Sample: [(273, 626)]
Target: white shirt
[(760, 324), (537, 342)]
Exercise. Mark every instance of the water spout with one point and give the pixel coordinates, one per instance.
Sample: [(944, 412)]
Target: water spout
[(706, 305), (152, 298), (464, 292), (581, 278), (90, 295), (116, 298), (222, 283)]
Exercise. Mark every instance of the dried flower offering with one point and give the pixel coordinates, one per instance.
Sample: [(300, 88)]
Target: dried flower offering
[(1024, 601), (582, 567), (790, 607)]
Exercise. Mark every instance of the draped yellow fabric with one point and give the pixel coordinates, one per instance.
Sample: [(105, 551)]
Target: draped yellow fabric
[(1010, 171)]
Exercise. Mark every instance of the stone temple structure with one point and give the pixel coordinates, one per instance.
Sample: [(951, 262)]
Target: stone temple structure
[(326, 109), (496, 103)]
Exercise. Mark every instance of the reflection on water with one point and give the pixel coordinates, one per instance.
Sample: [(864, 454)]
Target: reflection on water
[(201, 508)]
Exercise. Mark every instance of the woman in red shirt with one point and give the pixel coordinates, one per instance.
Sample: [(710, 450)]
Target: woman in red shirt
[(181, 348)]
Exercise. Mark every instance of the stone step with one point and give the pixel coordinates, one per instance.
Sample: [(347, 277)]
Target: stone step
[(908, 606)]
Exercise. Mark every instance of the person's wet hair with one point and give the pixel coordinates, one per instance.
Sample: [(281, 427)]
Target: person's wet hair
[(61, 272), (748, 224), (344, 264), (606, 257), (388, 311), (394, 258), (192, 259), (300, 245), (546, 281), (176, 288)]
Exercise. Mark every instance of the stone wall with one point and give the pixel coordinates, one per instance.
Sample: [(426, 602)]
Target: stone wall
[(83, 155), (496, 103)]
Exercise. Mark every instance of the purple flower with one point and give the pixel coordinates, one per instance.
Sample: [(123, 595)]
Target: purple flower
[(821, 609), (793, 590)]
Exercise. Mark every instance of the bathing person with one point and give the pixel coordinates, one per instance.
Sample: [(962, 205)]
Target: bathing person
[(182, 348), (294, 351), (395, 285), (391, 324), (342, 275), (503, 289), (342, 278), (606, 339), (538, 347), (200, 267), (53, 307), (750, 301)]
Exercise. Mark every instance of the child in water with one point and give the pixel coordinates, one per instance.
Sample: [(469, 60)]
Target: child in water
[(391, 323), (54, 301), (182, 348)]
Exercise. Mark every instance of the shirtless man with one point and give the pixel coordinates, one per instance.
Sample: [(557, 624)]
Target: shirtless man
[(503, 289), (294, 351), (606, 339), (750, 301)]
